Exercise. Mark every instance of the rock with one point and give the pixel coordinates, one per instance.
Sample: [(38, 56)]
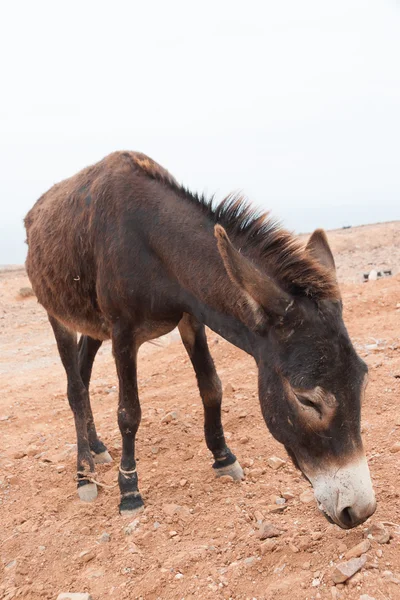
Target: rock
[(356, 551), (229, 389), (275, 462), (242, 415), (373, 275), (249, 561), (306, 565), (342, 548), (268, 530), (129, 529), (226, 479), (26, 292), (366, 597), (276, 508), (307, 496), (105, 537), (86, 556), (379, 533), (178, 576), (173, 533), (171, 416), (74, 596), (268, 546), (379, 553), (245, 439), (188, 455), (183, 482), (343, 571), (395, 448), (19, 454), (288, 495)]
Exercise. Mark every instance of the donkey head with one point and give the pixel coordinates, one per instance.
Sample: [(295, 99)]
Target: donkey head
[(311, 380)]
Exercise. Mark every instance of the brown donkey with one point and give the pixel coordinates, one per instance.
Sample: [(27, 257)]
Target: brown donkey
[(122, 251)]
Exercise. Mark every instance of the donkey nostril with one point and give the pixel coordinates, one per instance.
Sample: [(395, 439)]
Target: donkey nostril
[(346, 517)]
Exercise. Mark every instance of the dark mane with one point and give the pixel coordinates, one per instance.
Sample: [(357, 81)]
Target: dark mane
[(259, 237)]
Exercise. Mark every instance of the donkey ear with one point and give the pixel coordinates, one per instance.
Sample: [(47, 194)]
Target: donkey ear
[(319, 248), (261, 294)]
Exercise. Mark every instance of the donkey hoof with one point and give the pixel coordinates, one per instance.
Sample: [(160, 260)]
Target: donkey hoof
[(88, 492), (131, 506), (102, 458), (234, 470)]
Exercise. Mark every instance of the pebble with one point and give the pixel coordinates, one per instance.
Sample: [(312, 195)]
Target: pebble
[(86, 556), (229, 388), (105, 537), (395, 448), (356, 551), (307, 496), (275, 462), (268, 546), (226, 479), (268, 530), (74, 596), (183, 482), (179, 576), (343, 571), (171, 416), (276, 508), (379, 533), (366, 597), (288, 495), (19, 454), (171, 509), (129, 529)]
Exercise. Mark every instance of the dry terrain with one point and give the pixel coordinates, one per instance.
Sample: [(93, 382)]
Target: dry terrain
[(198, 537)]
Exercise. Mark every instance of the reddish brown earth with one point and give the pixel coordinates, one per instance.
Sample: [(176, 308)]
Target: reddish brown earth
[(51, 543)]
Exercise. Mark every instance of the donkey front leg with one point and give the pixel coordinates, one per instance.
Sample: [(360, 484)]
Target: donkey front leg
[(78, 401), (129, 416), (87, 350), (195, 341)]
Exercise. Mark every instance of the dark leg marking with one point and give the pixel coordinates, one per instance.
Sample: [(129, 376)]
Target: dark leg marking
[(78, 399), (195, 341), (129, 416), (87, 350)]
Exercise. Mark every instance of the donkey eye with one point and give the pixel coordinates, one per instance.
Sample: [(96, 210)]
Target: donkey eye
[(308, 403)]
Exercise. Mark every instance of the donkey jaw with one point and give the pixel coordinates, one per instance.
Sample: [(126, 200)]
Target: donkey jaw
[(345, 494)]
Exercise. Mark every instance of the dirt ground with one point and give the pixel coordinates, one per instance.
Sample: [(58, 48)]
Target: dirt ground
[(197, 537)]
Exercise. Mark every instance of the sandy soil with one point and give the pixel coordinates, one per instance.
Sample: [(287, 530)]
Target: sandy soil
[(198, 536)]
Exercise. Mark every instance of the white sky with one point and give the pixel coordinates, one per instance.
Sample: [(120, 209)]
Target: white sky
[(296, 102)]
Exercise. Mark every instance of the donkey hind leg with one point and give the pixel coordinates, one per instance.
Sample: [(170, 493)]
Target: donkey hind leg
[(129, 416), (195, 341), (78, 400), (87, 350)]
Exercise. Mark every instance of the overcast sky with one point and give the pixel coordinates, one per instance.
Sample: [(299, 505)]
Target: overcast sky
[(297, 103)]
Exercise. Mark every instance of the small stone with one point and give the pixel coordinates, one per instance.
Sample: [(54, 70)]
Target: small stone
[(307, 496), (395, 448), (229, 389), (288, 495), (276, 508), (268, 530), (306, 565), (183, 482), (105, 537), (169, 417), (293, 547), (244, 440), (379, 533), (316, 582), (134, 549), (86, 556), (226, 479), (343, 571), (356, 551), (188, 455), (178, 576), (19, 454), (60, 468), (173, 533), (249, 561), (373, 275), (74, 596), (342, 548), (366, 597), (129, 529), (275, 462), (379, 553), (268, 546), (242, 415), (316, 535)]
